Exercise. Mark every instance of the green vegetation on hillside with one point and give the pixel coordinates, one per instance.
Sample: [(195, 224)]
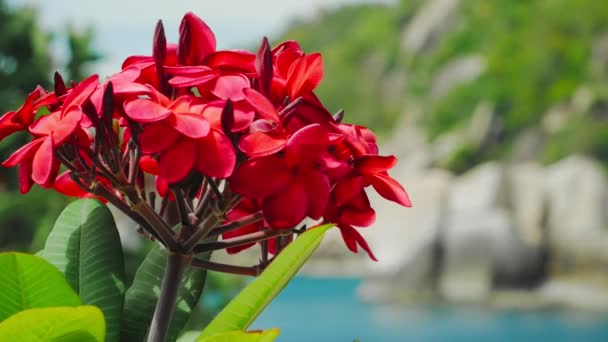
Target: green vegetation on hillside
[(538, 55)]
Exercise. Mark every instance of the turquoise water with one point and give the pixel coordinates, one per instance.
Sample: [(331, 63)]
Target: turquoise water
[(322, 309)]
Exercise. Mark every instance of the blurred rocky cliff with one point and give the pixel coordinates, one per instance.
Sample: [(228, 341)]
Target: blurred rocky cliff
[(498, 111)]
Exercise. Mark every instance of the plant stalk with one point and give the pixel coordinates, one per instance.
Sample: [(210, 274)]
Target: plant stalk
[(177, 263)]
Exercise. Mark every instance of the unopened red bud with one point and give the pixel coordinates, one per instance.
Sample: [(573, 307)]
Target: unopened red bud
[(196, 40), (159, 52), (228, 117), (60, 88), (263, 66)]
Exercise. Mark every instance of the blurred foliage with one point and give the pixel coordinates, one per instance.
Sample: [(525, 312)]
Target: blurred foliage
[(81, 52), (25, 62), (537, 54)]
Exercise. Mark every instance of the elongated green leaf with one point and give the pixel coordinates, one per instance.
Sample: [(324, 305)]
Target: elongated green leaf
[(84, 244), (189, 336), (242, 336), (245, 307), (142, 295), (28, 281), (57, 324)]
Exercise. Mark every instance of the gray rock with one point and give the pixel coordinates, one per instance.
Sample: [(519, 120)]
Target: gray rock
[(480, 189), (556, 118), (527, 146), (481, 243), (459, 71), (473, 240), (481, 125), (577, 191), (400, 234), (430, 21), (527, 202), (446, 145)]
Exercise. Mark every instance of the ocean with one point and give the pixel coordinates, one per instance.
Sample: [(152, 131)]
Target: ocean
[(328, 309)]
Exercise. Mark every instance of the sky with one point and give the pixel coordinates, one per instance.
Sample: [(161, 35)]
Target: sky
[(125, 27)]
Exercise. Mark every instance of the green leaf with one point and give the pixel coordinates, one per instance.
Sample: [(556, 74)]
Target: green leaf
[(58, 324), (242, 336), (84, 244), (142, 295), (28, 281), (245, 307), (189, 336)]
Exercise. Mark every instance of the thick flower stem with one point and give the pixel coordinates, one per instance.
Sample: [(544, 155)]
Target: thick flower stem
[(240, 223), (176, 265), (241, 240), (252, 271)]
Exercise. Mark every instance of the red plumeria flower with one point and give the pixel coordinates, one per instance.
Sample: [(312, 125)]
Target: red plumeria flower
[(374, 169), (36, 159), (291, 183), (353, 240), (12, 122), (178, 127), (349, 206), (249, 121)]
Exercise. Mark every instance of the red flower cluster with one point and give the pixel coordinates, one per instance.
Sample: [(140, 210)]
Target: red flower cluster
[(250, 121)]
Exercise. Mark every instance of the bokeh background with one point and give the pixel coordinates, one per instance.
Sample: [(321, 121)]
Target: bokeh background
[(497, 110)]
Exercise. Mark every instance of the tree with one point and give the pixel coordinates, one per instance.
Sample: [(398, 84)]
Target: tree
[(25, 62)]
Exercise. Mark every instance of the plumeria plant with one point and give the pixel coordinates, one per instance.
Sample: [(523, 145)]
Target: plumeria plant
[(204, 150)]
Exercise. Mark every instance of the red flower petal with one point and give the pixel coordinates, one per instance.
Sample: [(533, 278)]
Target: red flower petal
[(192, 81), (317, 188), (190, 70), (67, 125), (134, 60), (25, 177), (81, 92), (262, 105), (157, 138), (346, 189), (216, 156), (352, 238), (45, 125), (285, 55), (375, 164), (306, 144), (304, 75), (191, 125), (8, 126), (196, 40), (149, 165), (144, 110), (230, 87), (358, 218), (287, 208), (232, 59), (66, 186), (177, 161), (24, 153), (260, 177), (358, 211), (308, 112), (162, 187), (25, 114), (390, 189), (42, 164), (258, 144), (243, 116)]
